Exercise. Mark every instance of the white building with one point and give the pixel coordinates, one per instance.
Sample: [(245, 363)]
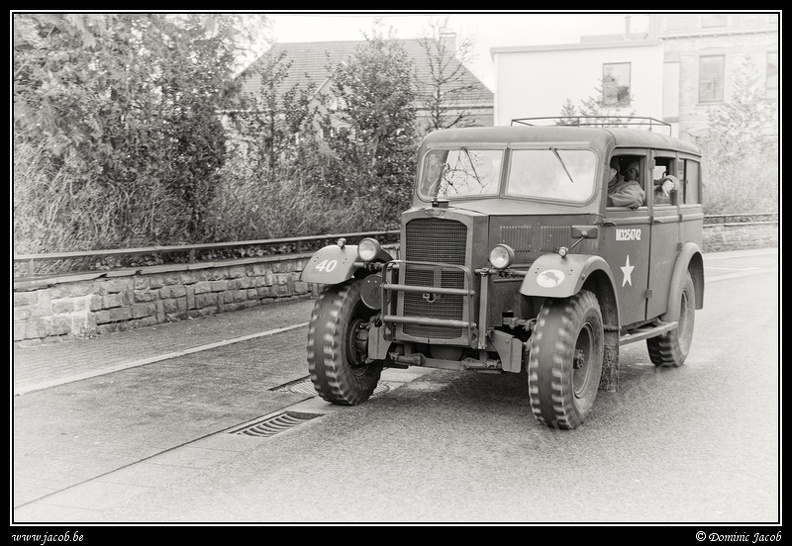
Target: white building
[(674, 70)]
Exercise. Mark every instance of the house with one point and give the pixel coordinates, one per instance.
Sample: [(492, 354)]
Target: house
[(674, 70), (313, 62)]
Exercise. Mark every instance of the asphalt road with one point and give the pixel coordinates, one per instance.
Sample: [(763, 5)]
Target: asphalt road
[(158, 443)]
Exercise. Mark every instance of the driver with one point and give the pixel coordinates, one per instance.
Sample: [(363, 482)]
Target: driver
[(625, 191)]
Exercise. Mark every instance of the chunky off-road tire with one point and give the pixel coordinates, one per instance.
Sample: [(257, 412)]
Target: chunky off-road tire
[(337, 337), (565, 361), (671, 349)]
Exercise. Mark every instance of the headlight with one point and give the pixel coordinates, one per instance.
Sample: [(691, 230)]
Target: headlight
[(501, 256), (368, 249)]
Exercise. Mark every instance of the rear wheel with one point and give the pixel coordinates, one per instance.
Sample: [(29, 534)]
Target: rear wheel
[(338, 346), (671, 349), (565, 361)]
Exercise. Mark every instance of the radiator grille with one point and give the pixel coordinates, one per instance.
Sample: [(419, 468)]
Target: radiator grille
[(437, 241)]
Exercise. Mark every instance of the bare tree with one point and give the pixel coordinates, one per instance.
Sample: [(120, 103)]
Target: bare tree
[(740, 146), (598, 109), (446, 82)]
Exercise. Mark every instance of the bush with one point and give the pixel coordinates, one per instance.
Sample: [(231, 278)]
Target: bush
[(117, 140), (747, 185), (250, 205), (68, 209)]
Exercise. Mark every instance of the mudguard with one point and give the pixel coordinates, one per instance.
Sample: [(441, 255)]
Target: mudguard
[(689, 257), (334, 264), (331, 265), (553, 276)]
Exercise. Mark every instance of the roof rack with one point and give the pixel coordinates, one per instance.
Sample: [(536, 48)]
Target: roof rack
[(595, 121)]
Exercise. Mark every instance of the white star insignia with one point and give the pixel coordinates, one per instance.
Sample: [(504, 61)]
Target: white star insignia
[(627, 269)]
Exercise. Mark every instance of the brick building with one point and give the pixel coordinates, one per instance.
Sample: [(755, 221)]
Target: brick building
[(701, 55)]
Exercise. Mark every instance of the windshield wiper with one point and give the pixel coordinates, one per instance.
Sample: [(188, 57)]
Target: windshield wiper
[(562, 164), (472, 166)]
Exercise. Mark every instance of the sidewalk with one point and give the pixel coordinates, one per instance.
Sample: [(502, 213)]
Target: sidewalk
[(54, 363), (89, 408)]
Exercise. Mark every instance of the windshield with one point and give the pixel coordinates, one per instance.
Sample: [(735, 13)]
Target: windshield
[(552, 173), (549, 173), (460, 173)]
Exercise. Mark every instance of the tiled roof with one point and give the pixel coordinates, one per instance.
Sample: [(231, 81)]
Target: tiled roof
[(310, 63)]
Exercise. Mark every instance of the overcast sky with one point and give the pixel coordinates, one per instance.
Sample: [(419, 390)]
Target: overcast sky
[(487, 30)]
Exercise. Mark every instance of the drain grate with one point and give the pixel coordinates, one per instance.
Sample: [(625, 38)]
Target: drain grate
[(304, 386), (271, 426)]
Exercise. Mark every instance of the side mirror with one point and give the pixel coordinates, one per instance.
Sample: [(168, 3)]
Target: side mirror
[(579, 233)]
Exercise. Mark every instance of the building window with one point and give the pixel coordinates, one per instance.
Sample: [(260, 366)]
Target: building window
[(711, 78), (713, 20), (753, 20), (677, 22), (772, 71), (616, 84)]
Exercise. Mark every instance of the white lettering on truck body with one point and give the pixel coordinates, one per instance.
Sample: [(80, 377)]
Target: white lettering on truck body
[(628, 234)]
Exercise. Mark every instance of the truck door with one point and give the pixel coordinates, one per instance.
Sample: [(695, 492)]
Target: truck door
[(689, 198), (625, 246), (664, 235)]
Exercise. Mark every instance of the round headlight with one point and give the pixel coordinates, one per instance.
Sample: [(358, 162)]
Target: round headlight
[(368, 249), (501, 256)]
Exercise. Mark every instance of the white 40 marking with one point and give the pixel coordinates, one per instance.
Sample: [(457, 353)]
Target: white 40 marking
[(326, 266)]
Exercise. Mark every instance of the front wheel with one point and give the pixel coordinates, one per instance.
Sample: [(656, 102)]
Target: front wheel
[(565, 361), (671, 349), (338, 346)]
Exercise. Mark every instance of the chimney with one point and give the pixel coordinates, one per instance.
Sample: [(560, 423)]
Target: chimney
[(654, 26), (627, 27), (448, 39)]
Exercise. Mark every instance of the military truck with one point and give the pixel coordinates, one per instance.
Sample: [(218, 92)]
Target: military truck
[(511, 260)]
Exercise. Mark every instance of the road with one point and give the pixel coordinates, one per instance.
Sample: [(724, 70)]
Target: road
[(697, 444)]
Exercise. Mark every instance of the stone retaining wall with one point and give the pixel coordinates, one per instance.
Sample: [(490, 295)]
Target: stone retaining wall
[(721, 237), (100, 302), (97, 303)]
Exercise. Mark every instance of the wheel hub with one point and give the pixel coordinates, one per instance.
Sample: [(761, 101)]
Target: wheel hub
[(580, 360), (358, 343)]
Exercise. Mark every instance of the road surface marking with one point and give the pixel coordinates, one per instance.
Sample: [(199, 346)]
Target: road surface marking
[(732, 268), (739, 274)]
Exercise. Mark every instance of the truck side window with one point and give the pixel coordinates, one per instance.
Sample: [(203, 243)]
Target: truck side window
[(664, 166), (691, 182), (625, 188)]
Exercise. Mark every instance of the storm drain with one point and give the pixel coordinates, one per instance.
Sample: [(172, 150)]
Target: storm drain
[(304, 386), (270, 426)]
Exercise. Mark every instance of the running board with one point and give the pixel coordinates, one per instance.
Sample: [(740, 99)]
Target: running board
[(647, 332)]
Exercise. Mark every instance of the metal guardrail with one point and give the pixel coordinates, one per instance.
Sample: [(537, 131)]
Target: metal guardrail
[(741, 219), (31, 259), (297, 242)]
